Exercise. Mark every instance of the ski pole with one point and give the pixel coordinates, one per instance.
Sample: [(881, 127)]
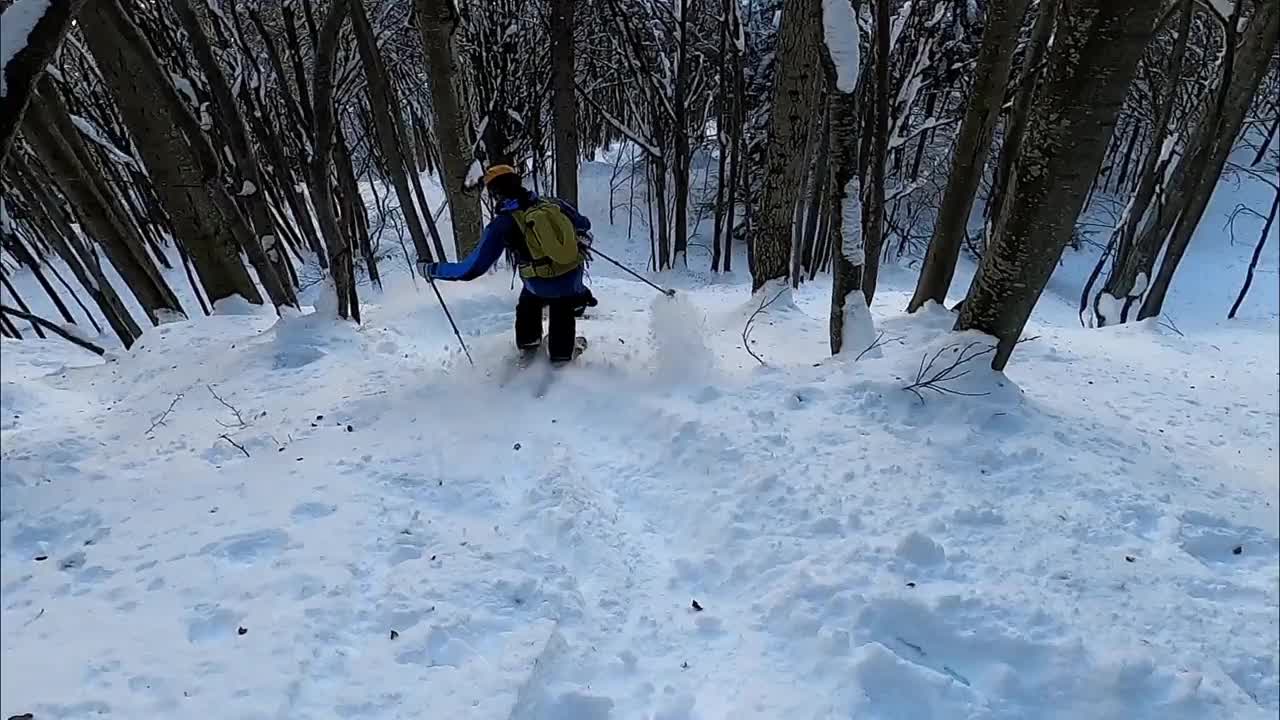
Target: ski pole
[(665, 291), (452, 324)]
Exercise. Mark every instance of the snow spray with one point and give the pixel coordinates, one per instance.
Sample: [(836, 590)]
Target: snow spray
[(677, 330)]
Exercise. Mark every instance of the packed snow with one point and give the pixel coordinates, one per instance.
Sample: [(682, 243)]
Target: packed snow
[(252, 517)]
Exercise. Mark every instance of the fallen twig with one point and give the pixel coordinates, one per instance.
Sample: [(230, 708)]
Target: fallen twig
[(930, 378), (746, 329), (879, 342), (234, 444), (164, 415), (240, 423), (1167, 322)]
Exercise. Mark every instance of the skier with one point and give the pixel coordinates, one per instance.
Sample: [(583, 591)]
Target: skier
[(541, 238)]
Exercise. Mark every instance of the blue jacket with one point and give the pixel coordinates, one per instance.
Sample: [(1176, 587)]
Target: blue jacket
[(502, 234)]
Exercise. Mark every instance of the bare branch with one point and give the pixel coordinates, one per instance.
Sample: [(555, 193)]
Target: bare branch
[(240, 423), (53, 328), (164, 415), (234, 444), (933, 376), (746, 329)]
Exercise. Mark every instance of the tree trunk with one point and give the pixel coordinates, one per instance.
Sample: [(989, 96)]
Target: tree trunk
[(1129, 260), (95, 206), (436, 22), (844, 208), (86, 269), (873, 204), (1257, 253), (796, 91), (353, 208), (564, 106), (1097, 49), (1247, 70), (262, 246), (23, 71), (341, 265), (1020, 114), (180, 162), (19, 250), (969, 159), (384, 110)]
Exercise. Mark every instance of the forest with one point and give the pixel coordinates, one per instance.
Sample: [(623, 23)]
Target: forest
[(933, 374), (841, 137)]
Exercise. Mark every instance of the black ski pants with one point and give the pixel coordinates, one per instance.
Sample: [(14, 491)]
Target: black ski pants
[(561, 325)]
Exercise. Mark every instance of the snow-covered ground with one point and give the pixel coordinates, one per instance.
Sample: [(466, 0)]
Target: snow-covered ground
[(406, 536)]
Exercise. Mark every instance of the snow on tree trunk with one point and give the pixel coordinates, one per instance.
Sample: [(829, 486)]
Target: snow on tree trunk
[(969, 158), (850, 326), (1096, 52), (436, 22)]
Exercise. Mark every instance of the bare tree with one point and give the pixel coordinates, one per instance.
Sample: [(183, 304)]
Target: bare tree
[(1246, 66), (564, 104), (969, 158), (338, 243), (1097, 49), (796, 96), (436, 21), (179, 160), (26, 66)]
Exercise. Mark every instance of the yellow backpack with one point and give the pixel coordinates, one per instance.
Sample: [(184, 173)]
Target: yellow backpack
[(550, 241)]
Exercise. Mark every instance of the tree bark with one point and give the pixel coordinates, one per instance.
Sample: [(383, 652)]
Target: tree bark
[(564, 106), (1129, 260), (384, 110), (796, 91), (1020, 114), (341, 265), (59, 146), (969, 159), (262, 246), (436, 22), (844, 209), (873, 204), (179, 160), (83, 264), (25, 69), (1247, 70), (1097, 49)]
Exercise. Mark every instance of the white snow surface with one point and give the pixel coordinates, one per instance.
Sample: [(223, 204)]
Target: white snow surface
[(1092, 535), (841, 30), (16, 24)]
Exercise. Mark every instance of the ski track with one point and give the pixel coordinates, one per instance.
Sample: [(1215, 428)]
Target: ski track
[(855, 553)]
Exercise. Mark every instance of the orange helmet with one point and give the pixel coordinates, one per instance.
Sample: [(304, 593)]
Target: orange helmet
[(497, 171)]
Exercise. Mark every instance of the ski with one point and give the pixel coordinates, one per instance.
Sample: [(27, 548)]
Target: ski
[(523, 359), (551, 369)]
